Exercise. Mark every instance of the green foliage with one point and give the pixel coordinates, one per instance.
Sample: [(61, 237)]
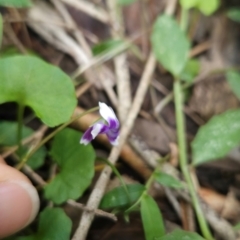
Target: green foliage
[(16, 3), (1, 29), (237, 227), (125, 2), (234, 14), (106, 46), (190, 71), (181, 235), (54, 224), (207, 7), (188, 3), (117, 198), (9, 52), (76, 163), (233, 78), (151, 218), (170, 44), (32, 82), (8, 138), (216, 138), (167, 180)]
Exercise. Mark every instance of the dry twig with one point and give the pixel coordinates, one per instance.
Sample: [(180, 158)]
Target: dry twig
[(101, 184), (90, 9), (120, 62)]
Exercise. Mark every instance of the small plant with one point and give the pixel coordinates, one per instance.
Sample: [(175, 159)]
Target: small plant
[(49, 93)]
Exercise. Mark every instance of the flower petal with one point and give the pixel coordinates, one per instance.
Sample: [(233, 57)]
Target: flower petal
[(113, 136), (98, 128), (108, 114), (87, 136)]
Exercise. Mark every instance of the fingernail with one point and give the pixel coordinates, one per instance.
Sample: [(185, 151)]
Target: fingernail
[(19, 204)]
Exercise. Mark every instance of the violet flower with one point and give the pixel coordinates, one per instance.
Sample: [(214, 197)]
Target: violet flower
[(110, 126)]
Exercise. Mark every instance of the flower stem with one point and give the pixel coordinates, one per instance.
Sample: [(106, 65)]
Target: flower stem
[(51, 135), (180, 122), (20, 124)]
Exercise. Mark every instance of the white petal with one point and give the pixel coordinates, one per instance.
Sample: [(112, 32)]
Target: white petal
[(107, 113), (84, 141), (97, 127)]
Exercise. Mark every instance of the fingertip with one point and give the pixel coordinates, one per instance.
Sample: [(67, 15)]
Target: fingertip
[(19, 201)]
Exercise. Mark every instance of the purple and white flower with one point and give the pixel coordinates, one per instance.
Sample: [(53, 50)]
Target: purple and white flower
[(109, 125)]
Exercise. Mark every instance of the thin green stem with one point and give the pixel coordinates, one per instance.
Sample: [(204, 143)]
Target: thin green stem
[(51, 135), (147, 185), (116, 172), (20, 125), (180, 122)]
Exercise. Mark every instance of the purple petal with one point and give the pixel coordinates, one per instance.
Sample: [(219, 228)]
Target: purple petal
[(113, 123), (87, 136), (113, 136)]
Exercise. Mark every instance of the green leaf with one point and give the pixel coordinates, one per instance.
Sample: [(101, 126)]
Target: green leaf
[(125, 2), (16, 3), (151, 218), (217, 137), (76, 164), (170, 44), (54, 224), (13, 51), (167, 180), (190, 71), (233, 79), (9, 52), (36, 160), (237, 227), (8, 137), (117, 198), (188, 3), (106, 46), (1, 29), (45, 88), (208, 7), (234, 14), (181, 235)]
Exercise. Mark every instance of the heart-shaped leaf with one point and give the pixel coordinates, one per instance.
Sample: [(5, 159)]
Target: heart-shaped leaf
[(76, 164), (54, 224), (151, 218), (181, 235), (29, 81), (217, 137), (170, 44), (117, 198), (8, 137)]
